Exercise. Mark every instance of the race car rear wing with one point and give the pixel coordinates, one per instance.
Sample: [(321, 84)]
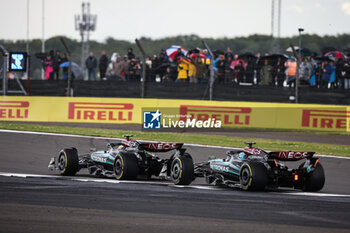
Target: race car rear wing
[(291, 155), (161, 146)]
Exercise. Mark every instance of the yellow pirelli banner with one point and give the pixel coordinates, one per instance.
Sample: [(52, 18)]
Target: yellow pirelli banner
[(130, 111)]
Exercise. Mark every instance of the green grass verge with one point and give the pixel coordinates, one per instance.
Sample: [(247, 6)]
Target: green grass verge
[(340, 150)]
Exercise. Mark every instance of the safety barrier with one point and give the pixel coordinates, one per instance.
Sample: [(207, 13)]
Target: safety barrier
[(130, 111)]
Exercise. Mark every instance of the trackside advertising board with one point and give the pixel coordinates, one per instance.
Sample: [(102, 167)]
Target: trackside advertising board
[(157, 113)]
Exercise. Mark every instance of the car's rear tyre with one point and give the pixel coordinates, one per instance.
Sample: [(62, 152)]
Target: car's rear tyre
[(182, 170), (315, 180), (126, 167), (68, 162), (253, 176)]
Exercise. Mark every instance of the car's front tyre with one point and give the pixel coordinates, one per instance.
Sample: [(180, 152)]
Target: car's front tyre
[(182, 170), (68, 162)]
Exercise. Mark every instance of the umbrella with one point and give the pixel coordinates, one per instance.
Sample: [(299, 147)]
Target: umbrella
[(217, 52), (247, 56), (327, 49), (172, 51), (193, 55), (322, 58), (195, 50), (235, 62), (291, 50), (335, 54), (77, 71), (303, 52), (273, 59)]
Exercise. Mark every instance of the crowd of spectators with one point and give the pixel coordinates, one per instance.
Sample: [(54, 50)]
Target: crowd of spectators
[(229, 68)]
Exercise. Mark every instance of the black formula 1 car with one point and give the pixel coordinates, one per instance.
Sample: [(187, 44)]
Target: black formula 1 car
[(252, 168), (130, 160)]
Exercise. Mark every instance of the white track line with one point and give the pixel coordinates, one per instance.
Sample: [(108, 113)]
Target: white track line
[(107, 138), (112, 181)]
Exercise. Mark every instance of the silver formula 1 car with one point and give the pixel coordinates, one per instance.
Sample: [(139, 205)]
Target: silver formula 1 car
[(252, 168), (129, 159)]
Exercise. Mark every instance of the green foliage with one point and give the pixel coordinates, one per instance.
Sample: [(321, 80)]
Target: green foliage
[(252, 43)]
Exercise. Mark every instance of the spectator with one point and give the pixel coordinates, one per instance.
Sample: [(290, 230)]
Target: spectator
[(167, 75), (228, 53), (154, 68), (48, 66), (125, 67), (228, 70), (138, 69), (279, 72), (257, 68), (148, 68), (291, 65), (130, 54), (346, 75), (57, 60), (265, 74), (64, 69), (206, 53), (131, 70), (166, 57), (305, 70), (91, 65), (238, 72), (103, 64), (179, 54), (119, 69), (220, 65), (191, 70), (182, 69), (249, 73), (339, 67), (201, 70), (328, 69)]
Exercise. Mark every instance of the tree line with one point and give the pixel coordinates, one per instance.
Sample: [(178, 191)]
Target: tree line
[(253, 43)]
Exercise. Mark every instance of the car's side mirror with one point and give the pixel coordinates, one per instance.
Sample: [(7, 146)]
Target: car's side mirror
[(93, 149), (211, 157)]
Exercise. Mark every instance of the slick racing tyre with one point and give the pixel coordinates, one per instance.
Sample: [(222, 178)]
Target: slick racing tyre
[(126, 166), (182, 170), (68, 162), (314, 181), (253, 176)]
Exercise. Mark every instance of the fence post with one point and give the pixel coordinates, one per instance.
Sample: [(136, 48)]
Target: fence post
[(211, 79), (143, 81)]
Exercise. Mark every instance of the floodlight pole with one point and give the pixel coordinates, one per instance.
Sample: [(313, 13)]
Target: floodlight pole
[(85, 23), (43, 35), (4, 70)]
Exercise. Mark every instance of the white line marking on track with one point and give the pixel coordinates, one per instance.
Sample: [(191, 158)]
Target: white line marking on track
[(318, 194), (103, 180), (107, 138)]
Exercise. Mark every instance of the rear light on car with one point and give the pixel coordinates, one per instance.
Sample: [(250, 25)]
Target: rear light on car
[(316, 163), (296, 177)]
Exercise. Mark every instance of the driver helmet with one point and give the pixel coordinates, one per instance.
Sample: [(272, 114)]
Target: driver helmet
[(242, 155)]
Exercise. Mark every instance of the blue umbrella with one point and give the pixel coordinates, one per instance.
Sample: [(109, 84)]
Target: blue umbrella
[(77, 71)]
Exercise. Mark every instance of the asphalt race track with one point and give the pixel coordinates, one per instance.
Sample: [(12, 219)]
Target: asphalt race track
[(32, 199)]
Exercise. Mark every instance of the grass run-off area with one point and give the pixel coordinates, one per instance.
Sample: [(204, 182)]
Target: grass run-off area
[(217, 140)]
